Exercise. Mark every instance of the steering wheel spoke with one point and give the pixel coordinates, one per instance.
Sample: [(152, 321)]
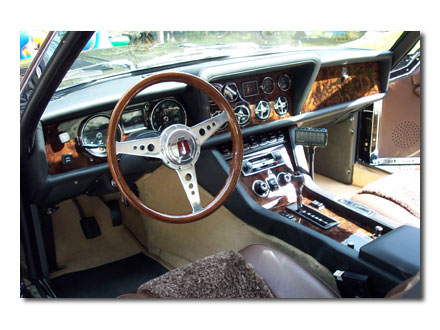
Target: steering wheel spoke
[(207, 128), (179, 147), (188, 178), (148, 147)]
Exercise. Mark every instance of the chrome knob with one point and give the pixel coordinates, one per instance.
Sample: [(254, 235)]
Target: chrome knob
[(260, 188), (284, 177)]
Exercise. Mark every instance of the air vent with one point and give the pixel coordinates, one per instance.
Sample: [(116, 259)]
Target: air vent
[(406, 134)]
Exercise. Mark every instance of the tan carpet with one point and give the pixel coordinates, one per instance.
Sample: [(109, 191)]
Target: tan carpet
[(75, 252), (180, 244)]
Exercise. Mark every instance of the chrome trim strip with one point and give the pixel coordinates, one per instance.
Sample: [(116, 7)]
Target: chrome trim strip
[(397, 161)]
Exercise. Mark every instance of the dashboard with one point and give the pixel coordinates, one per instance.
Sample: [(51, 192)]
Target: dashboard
[(81, 142), (267, 93)]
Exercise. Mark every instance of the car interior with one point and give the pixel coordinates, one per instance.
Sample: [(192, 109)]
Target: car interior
[(283, 174)]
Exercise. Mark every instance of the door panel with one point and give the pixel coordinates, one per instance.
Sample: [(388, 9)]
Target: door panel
[(399, 129)]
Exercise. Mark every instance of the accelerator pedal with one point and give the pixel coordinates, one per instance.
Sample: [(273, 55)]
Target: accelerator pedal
[(115, 211)]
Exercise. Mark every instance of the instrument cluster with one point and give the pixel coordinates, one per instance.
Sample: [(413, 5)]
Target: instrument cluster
[(157, 116), (257, 99)]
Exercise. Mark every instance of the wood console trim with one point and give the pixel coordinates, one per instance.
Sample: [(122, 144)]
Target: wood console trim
[(345, 228), (330, 88), (278, 200)]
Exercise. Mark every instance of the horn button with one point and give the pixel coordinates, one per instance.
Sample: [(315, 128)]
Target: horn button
[(181, 149)]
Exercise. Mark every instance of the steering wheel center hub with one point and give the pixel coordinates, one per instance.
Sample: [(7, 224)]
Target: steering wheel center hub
[(180, 147)]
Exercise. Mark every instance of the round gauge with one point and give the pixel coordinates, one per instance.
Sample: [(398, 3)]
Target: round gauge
[(93, 135), (281, 105), (230, 91), (284, 82), (242, 113), (215, 113), (166, 113), (262, 109), (268, 85)]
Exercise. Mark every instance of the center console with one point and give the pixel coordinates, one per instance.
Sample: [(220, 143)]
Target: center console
[(271, 178)]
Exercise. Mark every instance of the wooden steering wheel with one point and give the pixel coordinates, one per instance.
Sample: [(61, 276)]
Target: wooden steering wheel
[(178, 146)]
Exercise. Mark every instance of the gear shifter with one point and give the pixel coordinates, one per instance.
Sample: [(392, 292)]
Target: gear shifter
[(298, 183)]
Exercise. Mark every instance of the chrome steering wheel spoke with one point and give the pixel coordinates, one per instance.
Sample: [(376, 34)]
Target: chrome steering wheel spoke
[(148, 147), (188, 178), (204, 130)]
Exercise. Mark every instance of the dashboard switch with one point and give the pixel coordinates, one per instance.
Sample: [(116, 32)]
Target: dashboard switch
[(64, 137), (273, 183), (67, 159)]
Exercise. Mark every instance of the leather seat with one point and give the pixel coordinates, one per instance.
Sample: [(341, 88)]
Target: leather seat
[(396, 197), (284, 276), (287, 279)]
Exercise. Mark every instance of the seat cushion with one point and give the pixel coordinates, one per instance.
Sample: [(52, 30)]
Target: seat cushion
[(283, 275), (387, 208)]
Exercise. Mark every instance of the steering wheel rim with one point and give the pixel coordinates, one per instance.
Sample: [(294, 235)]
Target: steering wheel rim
[(209, 127)]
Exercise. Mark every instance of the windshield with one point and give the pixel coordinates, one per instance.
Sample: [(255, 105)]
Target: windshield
[(110, 53)]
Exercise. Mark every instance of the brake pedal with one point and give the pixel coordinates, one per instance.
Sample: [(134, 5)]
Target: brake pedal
[(89, 225)]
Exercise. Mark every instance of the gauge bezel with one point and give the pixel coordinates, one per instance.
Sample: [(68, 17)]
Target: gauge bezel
[(290, 82), (268, 114), (159, 103), (236, 88), (274, 101), (248, 117), (262, 85), (246, 83), (95, 151)]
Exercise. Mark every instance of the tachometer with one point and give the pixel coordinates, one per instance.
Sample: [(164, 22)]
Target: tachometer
[(167, 112), (93, 135)]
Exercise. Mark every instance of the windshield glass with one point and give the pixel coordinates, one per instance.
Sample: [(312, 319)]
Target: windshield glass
[(111, 53)]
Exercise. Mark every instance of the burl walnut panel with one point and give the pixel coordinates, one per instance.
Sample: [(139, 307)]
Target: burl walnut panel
[(342, 231), (251, 101), (279, 198), (55, 150), (330, 88)]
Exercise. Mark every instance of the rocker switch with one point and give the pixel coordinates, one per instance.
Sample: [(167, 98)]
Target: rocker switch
[(273, 183)]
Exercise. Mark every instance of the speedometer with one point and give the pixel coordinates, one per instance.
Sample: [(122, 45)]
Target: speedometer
[(93, 135), (167, 112)]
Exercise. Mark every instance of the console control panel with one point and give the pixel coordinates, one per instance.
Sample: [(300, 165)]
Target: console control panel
[(262, 162), (253, 143)]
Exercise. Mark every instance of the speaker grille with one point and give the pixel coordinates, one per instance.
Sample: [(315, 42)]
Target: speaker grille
[(406, 134)]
